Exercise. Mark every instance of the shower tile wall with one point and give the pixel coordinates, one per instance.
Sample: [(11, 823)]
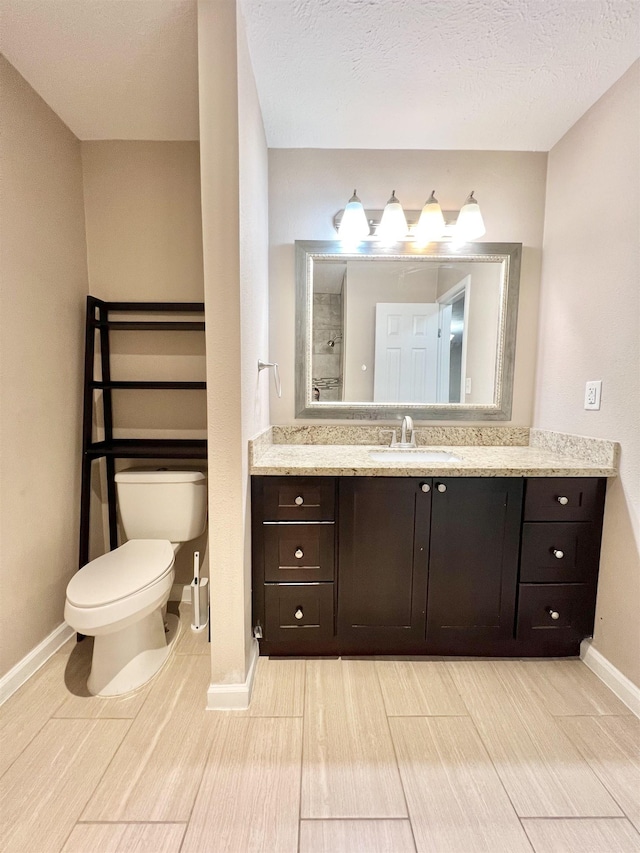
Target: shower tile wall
[(327, 359)]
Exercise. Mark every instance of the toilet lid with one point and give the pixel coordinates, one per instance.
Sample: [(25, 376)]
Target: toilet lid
[(117, 574)]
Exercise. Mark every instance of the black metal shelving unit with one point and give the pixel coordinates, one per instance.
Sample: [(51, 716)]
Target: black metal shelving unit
[(99, 324)]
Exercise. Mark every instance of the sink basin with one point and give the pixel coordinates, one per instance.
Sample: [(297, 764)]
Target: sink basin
[(412, 456)]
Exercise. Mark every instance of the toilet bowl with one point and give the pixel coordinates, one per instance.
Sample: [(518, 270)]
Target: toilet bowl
[(118, 599)]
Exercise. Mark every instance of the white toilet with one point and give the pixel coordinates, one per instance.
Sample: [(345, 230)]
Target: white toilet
[(119, 598)]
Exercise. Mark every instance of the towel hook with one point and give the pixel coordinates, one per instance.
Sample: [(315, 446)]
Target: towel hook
[(276, 373)]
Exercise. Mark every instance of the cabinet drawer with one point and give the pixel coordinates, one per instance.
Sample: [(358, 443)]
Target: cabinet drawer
[(299, 552), (555, 610), (299, 498), (301, 610), (564, 499), (559, 552)]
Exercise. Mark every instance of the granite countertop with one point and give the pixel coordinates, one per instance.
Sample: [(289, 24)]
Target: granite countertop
[(472, 461)]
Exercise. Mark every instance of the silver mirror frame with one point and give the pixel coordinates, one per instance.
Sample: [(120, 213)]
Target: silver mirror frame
[(309, 251)]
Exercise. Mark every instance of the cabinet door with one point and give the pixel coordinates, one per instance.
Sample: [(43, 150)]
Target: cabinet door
[(382, 571), (473, 566)]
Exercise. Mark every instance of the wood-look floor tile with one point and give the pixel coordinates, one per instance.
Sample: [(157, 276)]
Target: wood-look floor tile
[(349, 768), (586, 835), (568, 688), (189, 642), (125, 838), (26, 712), (611, 745), (156, 772), (542, 771), (47, 786), (80, 703), (249, 799), (356, 836), (455, 798), (418, 689), (278, 689)]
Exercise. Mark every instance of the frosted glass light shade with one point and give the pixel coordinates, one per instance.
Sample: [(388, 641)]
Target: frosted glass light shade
[(431, 223), (393, 225), (470, 224), (354, 226)]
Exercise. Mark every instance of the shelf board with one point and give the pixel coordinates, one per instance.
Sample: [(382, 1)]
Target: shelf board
[(150, 326), (181, 386), (177, 307), (149, 448)]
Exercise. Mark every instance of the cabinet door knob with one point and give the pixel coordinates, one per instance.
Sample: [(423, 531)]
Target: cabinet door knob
[(562, 500), (300, 500), (299, 613), (558, 554), (442, 487), (299, 553), (425, 487), (553, 613)]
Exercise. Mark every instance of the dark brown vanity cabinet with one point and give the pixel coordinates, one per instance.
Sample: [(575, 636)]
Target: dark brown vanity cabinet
[(384, 552), (294, 545), (473, 565), (560, 555), (500, 566)]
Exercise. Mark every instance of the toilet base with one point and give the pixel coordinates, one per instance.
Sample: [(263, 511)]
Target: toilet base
[(126, 659)]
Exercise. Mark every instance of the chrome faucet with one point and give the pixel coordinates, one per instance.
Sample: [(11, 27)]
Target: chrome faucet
[(406, 428)]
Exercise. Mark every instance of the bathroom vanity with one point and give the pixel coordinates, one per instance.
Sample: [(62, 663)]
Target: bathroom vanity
[(461, 560)]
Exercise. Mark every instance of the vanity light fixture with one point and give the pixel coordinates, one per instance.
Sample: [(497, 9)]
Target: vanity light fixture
[(354, 226), (470, 224), (393, 225), (431, 224)]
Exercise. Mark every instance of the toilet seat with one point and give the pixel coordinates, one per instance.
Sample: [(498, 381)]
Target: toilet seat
[(121, 573)]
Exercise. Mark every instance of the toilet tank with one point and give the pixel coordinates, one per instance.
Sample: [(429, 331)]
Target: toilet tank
[(162, 503)]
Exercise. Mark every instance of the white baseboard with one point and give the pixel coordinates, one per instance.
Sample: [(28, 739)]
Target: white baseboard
[(32, 662), (234, 697), (618, 683)]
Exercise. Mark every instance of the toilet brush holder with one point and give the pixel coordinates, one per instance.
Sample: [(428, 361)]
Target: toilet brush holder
[(200, 603)]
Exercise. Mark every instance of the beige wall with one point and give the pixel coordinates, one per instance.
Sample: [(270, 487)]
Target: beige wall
[(44, 283), (144, 243), (235, 262), (307, 188), (589, 329), (144, 227)]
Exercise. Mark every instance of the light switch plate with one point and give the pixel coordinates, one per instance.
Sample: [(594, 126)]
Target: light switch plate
[(592, 393)]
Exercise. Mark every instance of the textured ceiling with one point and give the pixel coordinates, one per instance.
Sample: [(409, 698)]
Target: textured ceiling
[(457, 74)]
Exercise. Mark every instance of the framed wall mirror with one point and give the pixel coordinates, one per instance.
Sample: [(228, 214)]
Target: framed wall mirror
[(385, 332)]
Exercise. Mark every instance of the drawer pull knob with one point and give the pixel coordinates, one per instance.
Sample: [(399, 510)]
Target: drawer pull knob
[(442, 487), (553, 613), (562, 500), (425, 487), (558, 554), (300, 500), (299, 553), (299, 613)]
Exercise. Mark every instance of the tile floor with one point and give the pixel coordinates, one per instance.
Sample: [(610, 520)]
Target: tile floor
[(377, 756)]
